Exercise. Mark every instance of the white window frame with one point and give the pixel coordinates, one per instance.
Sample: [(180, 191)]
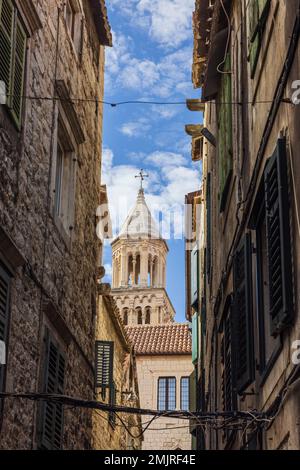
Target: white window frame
[(75, 30)]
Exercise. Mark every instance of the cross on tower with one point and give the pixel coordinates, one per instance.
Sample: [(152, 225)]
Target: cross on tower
[(142, 175)]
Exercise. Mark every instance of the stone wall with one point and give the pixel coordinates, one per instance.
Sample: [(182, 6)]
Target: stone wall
[(150, 368), (62, 274), (105, 435)]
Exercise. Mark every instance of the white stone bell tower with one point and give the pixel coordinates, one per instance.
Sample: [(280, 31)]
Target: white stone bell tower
[(139, 269)]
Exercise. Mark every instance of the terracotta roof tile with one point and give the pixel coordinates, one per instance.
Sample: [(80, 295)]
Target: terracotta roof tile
[(171, 338)]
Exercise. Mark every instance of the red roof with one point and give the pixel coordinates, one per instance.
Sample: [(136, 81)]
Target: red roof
[(170, 338)]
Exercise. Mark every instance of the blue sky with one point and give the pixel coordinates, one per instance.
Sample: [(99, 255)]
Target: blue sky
[(151, 60)]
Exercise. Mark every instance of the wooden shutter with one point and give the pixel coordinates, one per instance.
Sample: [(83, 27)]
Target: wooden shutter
[(258, 12), (208, 226), (18, 73), (4, 315), (228, 358), (278, 239), (243, 317), (6, 42), (195, 337), (225, 134), (104, 364), (52, 414), (194, 277)]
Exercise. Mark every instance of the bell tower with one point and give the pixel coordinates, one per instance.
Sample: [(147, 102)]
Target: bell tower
[(139, 256)]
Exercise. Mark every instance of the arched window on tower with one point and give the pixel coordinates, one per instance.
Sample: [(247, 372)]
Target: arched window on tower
[(139, 316), (125, 316), (148, 316)]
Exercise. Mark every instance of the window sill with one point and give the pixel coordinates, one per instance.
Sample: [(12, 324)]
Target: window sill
[(67, 239)]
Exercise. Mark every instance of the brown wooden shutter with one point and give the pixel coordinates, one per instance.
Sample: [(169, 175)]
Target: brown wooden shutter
[(52, 414), (278, 240), (228, 358), (104, 362), (112, 402), (4, 315), (6, 42), (18, 73), (243, 317)]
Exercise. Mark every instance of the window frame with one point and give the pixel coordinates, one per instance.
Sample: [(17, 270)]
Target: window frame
[(166, 398), (77, 25), (181, 393)]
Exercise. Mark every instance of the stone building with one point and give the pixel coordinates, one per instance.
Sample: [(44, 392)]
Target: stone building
[(246, 61), (162, 347), (114, 349), (52, 60)]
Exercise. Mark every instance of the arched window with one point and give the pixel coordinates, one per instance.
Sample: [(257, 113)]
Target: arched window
[(148, 316), (139, 316), (125, 316)]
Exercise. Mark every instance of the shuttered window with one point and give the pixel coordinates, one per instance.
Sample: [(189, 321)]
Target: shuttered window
[(104, 364), (278, 240), (195, 337), (225, 153), (13, 53), (243, 318), (258, 12), (4, 315), (208, 226), (52, 414), (228, 359)]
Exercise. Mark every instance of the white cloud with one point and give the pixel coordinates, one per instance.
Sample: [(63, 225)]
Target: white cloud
[(168, 22), (170, 179), (135, 128)]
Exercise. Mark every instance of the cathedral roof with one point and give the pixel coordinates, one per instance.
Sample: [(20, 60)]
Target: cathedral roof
[(140, 223), (165, 339)]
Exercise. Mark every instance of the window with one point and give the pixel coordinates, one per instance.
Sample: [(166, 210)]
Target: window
[(184, 393), (13, 54), (104, 364), (258, 12), (195, 277), (139, 316), (65, 178), (73, 18), (125, 316), (148, 316), (51, 428), (271, 222), (195, 338), (243, 319), (208, 226), (224, 117), (5, 281), (166, 394)]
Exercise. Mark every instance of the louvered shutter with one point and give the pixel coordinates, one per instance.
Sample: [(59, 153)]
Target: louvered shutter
[(4, 315), (258, 11), (278, 240), (193, 399), (52, 414), (194, 277), (112, 402), (104, 364), (225, 134), (6, 42), (195, 337), (208, 226), (18, 73), (228, 357), (243, 318)]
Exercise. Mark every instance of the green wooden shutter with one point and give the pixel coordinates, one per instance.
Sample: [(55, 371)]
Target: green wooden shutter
[(225, 152), (195, 337), (278, 240), (6, 42), (193, 399), (18, 73), (243, 318), (228, 358), (208, 226), (194, 277), (258, 13), (104, 363), (4, 315), (52, 414)]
